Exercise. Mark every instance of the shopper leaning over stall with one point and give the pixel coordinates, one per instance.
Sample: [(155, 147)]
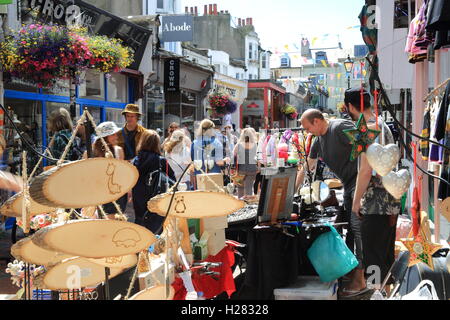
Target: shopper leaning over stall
[(131, 133), (377, 208), (332, 147)]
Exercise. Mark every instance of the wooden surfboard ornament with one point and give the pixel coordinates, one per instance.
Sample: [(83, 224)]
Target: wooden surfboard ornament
[(154, 293), (127, 261), (13, 207), (95, 238), (84, 183), (73, 273), (195, 204), (25, 250)]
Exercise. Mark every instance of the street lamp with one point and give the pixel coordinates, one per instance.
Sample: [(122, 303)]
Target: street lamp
[(348, 65)]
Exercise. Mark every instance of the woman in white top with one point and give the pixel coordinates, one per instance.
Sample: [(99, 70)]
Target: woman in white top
[(178, 153)]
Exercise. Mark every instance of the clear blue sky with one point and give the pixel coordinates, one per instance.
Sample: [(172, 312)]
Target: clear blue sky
[(281, 22)]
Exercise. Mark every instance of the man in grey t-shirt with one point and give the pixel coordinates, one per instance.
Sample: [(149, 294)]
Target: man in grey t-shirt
[(334, 149)]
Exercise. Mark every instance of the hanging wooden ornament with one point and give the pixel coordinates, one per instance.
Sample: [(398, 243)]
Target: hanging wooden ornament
[(421, 249), (195, 204), (383, 159), (397, 183), (361, 137), (94, 238), (13, 207)]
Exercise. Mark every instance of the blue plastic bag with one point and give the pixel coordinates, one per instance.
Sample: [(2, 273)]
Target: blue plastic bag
[(330, 256)]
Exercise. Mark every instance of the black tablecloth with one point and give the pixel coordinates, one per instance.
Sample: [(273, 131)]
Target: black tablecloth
[(275, 260)]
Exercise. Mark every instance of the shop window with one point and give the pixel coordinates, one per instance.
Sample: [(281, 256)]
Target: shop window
[(401, 19), (115, 115), (188, 98), (27, 117), (188, 118), (117, 88), (60, 88), (19, 85), (155, 111), (250, 51), (95, 113), (264, 60), (160, 4), (93, 87)]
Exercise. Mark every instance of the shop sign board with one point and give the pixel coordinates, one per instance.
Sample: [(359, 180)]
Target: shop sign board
[(172, 75), (177, 28), (97, 21)]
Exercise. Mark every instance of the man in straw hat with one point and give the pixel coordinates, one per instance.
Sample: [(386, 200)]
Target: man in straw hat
[(130, 134)]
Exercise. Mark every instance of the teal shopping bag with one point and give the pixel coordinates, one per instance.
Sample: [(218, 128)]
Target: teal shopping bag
[(330, 256)]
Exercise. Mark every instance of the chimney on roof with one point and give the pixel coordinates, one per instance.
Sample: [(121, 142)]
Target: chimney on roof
[(196, 11), (243, 22), (192, 10), (239, 22), (226, 11), (247, 21), (205, 13), (251, 21), (210, 9), (186, 9), (215, 9)]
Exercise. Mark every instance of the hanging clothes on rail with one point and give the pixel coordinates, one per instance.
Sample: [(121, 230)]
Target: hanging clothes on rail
[(438, 17), (424, 144), (419, 38), (442, 121)]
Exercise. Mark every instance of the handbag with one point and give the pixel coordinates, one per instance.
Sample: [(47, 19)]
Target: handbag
[(158, 181), (330, 256), (238, 179)]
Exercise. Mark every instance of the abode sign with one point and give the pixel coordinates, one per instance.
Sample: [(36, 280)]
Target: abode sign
[(177, 28)]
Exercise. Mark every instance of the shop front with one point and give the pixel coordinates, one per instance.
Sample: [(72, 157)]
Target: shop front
[(183, 103), (261, 108)]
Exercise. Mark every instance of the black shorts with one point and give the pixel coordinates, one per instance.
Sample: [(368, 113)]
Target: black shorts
[(378, 239)]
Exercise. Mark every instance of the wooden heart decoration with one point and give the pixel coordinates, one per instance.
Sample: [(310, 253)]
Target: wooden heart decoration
[(397, 183), (383, 158)]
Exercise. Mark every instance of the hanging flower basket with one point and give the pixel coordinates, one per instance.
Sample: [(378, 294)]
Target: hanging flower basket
[(42, 54), (289, 111), (108, 55), (221, 104)]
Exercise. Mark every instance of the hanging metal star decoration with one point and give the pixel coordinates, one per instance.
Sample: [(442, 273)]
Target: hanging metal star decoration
[(421, 249), (361, 137)]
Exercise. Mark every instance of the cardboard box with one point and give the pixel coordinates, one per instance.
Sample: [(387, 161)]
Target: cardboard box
[(146, 280), (215, 223), (203, 183), (216, 241), (308, 288)]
